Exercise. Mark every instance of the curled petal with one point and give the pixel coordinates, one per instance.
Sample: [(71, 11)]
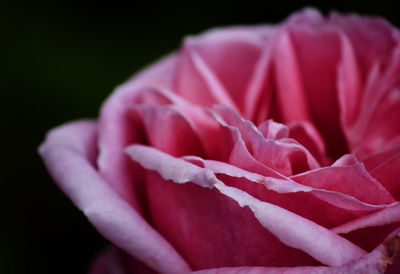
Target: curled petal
[(68, 153)]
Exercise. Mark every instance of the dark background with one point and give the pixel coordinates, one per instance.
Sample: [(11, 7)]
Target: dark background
[(59, 60)]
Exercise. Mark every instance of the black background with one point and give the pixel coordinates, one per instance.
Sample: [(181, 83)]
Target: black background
[(59, 60)]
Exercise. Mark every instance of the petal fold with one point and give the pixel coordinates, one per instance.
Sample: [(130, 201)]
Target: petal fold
[(68, 153)]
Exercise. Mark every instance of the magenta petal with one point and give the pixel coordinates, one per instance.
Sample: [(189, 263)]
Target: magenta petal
[(383, 257), (291, 229), (68, 153)]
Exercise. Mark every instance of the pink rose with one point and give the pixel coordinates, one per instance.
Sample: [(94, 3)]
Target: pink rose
[(273, 148)]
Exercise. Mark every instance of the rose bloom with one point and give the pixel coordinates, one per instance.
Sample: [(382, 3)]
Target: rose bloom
[(264, 149)]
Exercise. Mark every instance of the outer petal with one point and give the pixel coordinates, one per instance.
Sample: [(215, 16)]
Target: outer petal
[(69, 153), (114, 134)]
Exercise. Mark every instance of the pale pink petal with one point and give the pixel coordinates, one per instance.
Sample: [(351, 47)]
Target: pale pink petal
[(383, 217), (69, 153), (290, 228)]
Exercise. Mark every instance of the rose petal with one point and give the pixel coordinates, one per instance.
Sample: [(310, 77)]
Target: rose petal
[(352, 180), (349, 83), (231, 54), (383, 217), (384, 167), (382, 257), (377, 48), (168, 130), (114, 134), (308, 136), (284, 155), (273, 130), (256, 103), (68, 153), (329, 208), (290, 89), (196, 82), (372, 38), (278, 221)]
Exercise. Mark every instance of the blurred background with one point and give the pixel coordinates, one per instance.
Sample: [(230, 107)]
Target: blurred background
[(59, 61)]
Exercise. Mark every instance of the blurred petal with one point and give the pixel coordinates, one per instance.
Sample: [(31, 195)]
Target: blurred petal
[(231, 53), (316, 51), (196, 82), (114, 261)]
